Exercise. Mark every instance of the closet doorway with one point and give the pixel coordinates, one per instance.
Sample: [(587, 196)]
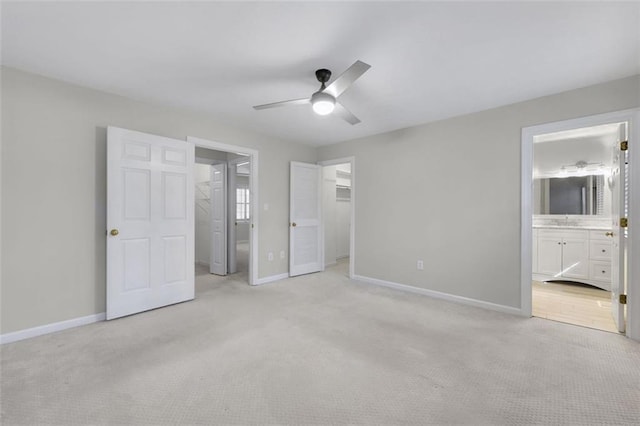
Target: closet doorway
[(226, 220), (338, 197)]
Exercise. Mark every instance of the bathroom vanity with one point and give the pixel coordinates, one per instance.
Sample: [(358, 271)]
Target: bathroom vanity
[(580, 253)]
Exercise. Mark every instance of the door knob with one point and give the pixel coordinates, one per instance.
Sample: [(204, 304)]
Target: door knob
[(609, 234), (294, 224), (114, 232)]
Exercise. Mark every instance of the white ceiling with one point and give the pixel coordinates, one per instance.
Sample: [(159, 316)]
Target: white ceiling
[(429, 60)]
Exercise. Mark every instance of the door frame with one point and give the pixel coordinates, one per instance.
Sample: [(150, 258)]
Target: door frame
[(253, 202), (632, 117), (352, 236)]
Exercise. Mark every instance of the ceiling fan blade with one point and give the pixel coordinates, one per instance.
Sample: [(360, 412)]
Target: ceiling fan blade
[(345, 114), (347, 78), (283, 103)]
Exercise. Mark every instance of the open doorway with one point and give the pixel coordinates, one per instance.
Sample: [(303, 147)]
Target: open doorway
[(576, 204), (572, 225), (226, 213), (222, 214), (338, 192)]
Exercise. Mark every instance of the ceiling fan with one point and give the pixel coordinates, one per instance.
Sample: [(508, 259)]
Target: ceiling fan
[(324, 100)]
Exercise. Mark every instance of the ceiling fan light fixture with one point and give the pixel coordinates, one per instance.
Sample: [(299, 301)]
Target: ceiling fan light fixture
[(323, 103)]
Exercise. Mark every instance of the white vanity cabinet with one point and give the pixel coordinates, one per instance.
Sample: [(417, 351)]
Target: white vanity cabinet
[(563, 253), (572, 254)]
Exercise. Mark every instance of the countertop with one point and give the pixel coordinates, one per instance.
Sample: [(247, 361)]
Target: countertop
[(577, 227)]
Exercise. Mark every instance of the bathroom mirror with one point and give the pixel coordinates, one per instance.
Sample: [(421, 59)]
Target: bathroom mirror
[(575, 195)]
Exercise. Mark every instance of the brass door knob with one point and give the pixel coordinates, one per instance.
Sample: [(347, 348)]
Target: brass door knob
[(609, 234), (114, 232), (294, 224)]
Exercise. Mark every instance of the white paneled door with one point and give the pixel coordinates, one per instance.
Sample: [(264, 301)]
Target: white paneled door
[(617, 184), (305, 238), (218, 263), (150, 222)]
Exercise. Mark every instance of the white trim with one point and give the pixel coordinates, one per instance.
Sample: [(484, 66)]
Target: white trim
[(272, 278), (50, 328), (253, 187), (632, 116), (526, 224), (438, 295), (352, 242)]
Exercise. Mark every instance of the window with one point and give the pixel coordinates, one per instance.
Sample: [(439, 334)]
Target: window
[(242, 203)]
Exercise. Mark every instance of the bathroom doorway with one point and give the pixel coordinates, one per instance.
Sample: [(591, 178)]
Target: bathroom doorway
[(572, 211), (575, 208)]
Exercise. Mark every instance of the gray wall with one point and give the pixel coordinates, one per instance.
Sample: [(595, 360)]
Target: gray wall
[(448, 193), (456, 183), (211, 154), (53, 220)]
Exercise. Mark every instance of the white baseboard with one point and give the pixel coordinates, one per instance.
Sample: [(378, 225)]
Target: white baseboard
[(50, 328), (272, 278), (439, 295)]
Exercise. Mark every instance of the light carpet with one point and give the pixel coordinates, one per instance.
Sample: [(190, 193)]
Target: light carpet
[(321, 349)]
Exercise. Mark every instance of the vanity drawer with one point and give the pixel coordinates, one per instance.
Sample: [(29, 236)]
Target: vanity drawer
[(600, 250), (600, 271)]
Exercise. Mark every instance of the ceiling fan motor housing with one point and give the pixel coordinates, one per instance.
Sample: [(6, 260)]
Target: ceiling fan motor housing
[(323, 75)]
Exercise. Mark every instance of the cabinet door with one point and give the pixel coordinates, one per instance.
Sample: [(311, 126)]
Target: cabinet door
[(575, 258), (600, 271), (549, 255)]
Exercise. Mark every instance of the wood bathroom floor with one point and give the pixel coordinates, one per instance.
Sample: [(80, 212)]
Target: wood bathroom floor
[(573, 304)]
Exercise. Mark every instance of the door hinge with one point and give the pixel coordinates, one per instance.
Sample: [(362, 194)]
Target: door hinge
[(624, 145), (623, 299), (624, 222)]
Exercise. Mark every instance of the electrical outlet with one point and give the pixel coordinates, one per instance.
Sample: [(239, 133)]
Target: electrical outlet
[(270, 256), (282, 254), (420, 265)]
